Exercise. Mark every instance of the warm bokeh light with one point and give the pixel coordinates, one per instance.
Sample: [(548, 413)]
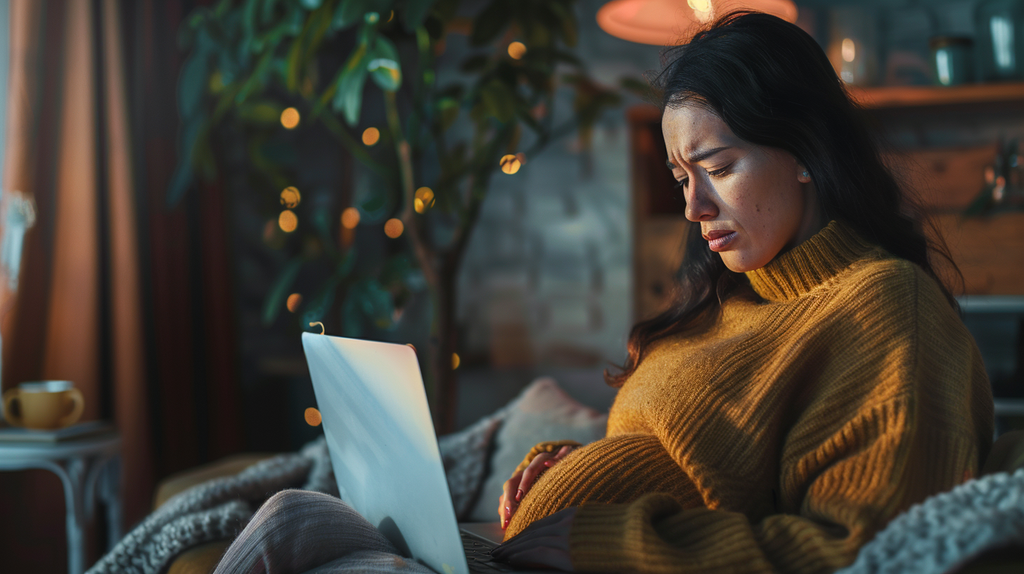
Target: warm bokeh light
[(350, 218), (391, 16), (517, 50), (313, 417), (371, 136), (287, 221), (393, 228), (849, 50), (290, 197), (290, 118), (424, 199), (455, 361), (294, 300), (510, 164), (700, 5), (671, 22)]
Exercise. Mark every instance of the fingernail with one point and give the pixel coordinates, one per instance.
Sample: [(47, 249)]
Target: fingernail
[(519, 495), (547, 463), (505, 525)]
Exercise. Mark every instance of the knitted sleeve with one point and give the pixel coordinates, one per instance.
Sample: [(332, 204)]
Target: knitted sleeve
[(548, 446)]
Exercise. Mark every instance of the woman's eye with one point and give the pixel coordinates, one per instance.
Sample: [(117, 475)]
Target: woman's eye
[(718, 172), (682, 183)]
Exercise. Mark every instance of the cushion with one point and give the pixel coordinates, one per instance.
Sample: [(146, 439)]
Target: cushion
[(542, 412)]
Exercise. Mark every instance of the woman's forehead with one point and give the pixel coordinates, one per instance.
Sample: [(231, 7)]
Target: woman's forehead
[(692, 131)]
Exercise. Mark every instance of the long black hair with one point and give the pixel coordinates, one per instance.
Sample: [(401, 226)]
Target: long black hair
[(773, 86)]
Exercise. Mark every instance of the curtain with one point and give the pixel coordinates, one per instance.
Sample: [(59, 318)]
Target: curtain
[(129, 298), (76, 313)]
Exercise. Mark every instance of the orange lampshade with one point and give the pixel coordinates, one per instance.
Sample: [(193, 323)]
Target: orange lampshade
[(672, 22)]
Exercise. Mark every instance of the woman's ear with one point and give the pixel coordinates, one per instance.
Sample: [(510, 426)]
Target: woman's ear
[(803, 175)]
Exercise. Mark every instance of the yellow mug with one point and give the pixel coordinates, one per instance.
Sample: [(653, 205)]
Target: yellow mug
[(43, 405)]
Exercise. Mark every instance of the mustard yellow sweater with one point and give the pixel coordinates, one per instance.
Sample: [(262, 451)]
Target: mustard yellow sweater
[(789, 433)]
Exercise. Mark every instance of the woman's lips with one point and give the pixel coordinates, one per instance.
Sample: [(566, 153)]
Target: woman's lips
[(718, 240)]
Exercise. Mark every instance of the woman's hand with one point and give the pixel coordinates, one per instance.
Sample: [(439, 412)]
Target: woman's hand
[(543, 544), (520, 483)]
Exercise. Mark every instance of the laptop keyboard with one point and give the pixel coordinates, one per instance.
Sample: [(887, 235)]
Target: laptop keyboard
[(478, 555)]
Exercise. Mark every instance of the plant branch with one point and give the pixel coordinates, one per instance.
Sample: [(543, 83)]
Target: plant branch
[(357, 151), (424, 254)]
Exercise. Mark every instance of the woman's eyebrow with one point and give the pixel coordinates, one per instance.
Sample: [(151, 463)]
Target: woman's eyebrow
[(699, 156)]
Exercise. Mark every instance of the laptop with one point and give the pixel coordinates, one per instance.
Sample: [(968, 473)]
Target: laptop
[(385, 456)]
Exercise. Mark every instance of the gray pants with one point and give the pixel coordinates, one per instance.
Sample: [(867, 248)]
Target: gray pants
[(298, 531)]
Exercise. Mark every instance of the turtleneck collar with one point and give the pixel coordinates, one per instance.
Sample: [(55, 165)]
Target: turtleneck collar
[(809, 264)]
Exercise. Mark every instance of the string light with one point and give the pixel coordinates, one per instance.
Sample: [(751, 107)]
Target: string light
[(510, 164), (290, 197), (290, 118), (313, 417), (517, 50), (287, 221), (455, 361), (350, 218), (371, 136), (424, 199), (393, 228)]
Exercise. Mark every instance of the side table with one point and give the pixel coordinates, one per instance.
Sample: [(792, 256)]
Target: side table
[(89, 468)]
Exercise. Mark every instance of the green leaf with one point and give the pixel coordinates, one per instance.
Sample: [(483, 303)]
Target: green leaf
[(498, 100), (385, 73), (567, 20), (376, 202), (279, 292), (448, 112), (385, 48), (267, 13), (349, 97), (349, 12), (188, 138), (265, 113), (415, 13), (490, 22), (257, 79), (193, 82)]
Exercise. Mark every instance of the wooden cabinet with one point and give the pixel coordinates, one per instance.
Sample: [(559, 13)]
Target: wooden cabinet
[(988, 251)]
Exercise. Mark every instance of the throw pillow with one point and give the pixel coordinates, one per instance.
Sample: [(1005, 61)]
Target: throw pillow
[(542, 412)]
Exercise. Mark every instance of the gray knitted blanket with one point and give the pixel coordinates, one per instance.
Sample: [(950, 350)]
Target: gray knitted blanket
[(948, 529), (219, 509)]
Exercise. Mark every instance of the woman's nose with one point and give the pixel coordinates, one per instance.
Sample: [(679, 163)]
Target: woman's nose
[(699, 204)]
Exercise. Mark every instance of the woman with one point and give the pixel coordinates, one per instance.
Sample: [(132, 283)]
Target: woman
[(813, 378)]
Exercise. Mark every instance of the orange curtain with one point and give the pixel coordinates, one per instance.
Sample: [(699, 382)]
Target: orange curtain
[(76, 314)]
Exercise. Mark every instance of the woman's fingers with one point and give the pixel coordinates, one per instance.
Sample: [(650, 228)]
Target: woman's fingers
[(508, 503), (516, 487)]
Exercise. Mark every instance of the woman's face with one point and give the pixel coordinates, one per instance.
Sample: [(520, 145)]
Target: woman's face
[(752, 202)]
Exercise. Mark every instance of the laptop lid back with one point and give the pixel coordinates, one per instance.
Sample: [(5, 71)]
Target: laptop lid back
[(383, 447)]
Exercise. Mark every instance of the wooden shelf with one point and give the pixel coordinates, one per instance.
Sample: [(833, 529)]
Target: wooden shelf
[(904, 97)]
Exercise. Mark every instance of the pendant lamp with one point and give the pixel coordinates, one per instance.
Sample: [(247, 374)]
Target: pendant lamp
[(672, 22)]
